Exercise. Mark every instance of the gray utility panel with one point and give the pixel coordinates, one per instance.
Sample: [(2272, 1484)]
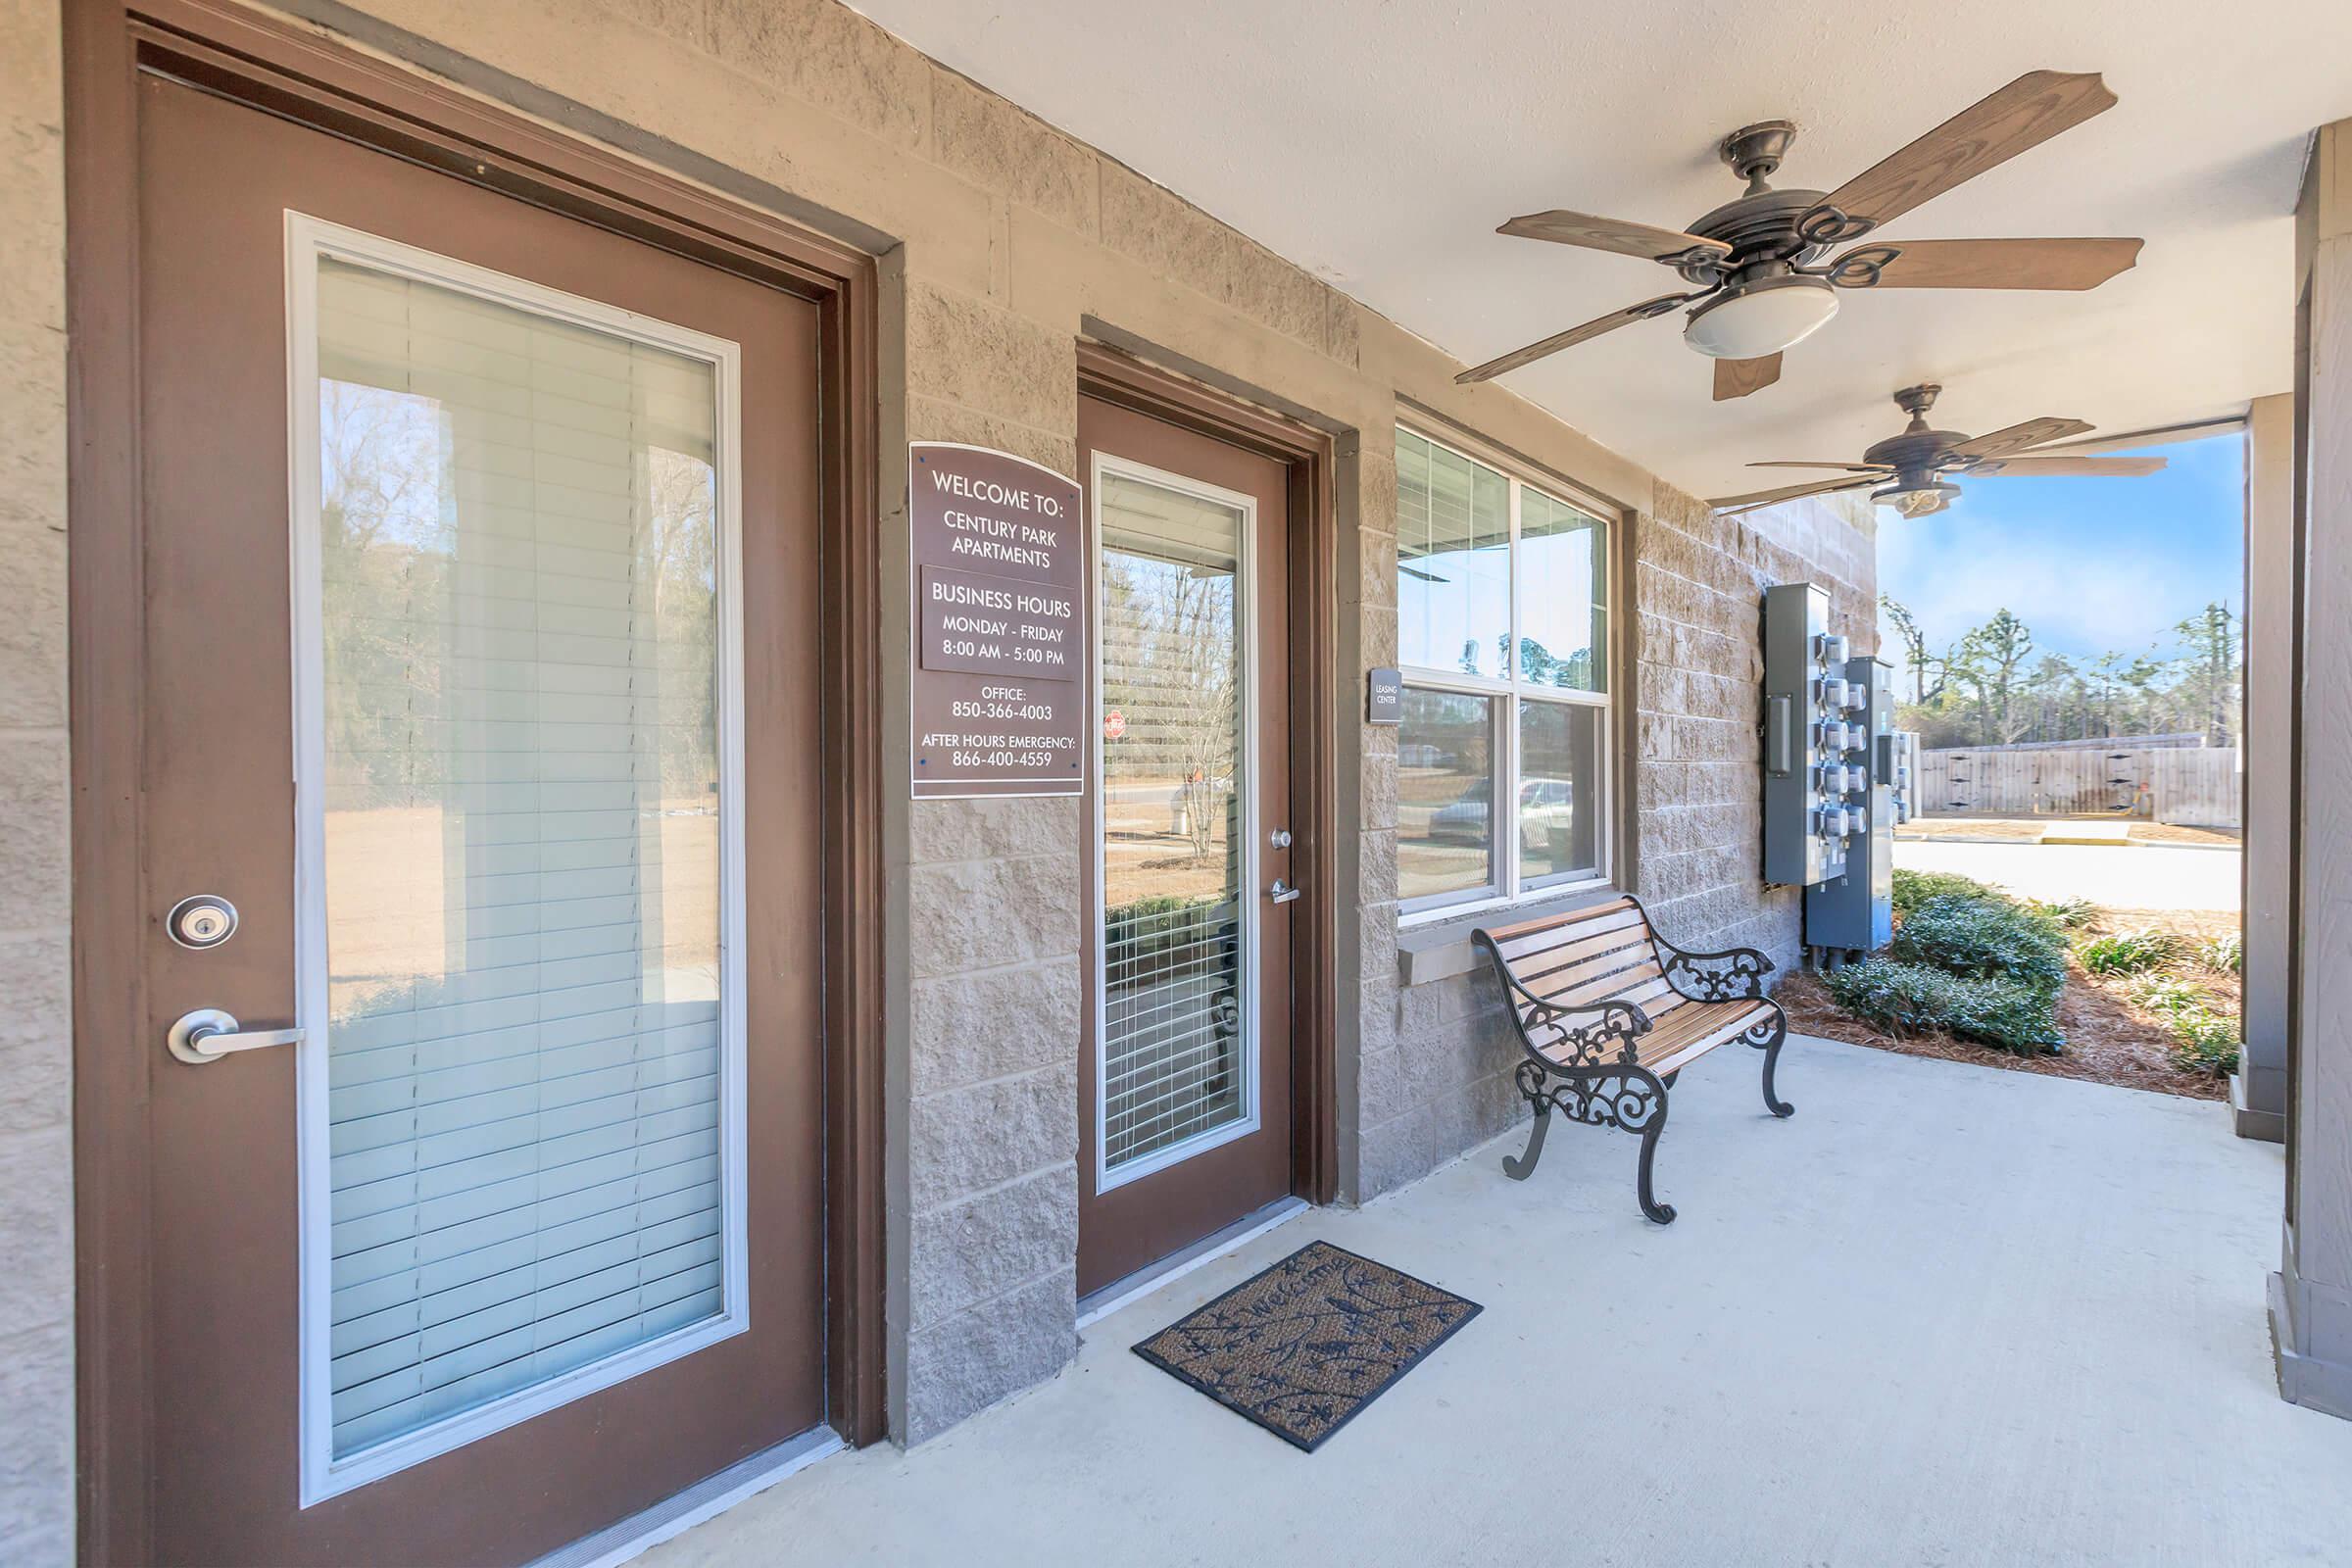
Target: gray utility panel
[(1809, 730), (1853, 913), (1829, 771)]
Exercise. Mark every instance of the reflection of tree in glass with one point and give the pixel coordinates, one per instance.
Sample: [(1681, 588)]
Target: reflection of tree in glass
[(397, 556), (677, 574), (1168, 666), (1539, 666), (382, 462)]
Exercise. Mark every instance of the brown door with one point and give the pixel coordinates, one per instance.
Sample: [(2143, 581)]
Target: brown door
[(1185, 1080), (495, 726)]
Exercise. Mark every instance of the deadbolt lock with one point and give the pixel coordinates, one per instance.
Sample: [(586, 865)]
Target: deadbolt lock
[(1280, 838), (202, 920)]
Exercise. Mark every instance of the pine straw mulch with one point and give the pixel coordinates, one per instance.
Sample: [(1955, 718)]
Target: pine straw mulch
[(2108, 1039)]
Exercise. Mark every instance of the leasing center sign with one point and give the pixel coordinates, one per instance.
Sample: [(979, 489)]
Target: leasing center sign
[(1000, 624)]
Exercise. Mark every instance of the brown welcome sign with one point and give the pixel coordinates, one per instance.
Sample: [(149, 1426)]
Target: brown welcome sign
[(1000, 624)]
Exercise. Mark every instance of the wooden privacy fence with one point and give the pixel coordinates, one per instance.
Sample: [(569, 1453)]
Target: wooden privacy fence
[(2192, 785)]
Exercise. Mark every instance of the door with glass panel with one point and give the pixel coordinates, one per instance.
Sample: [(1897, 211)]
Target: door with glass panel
[(485, 1096), (1186, 1077)]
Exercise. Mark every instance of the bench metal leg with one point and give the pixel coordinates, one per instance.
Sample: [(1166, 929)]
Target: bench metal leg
[(1524, 1166), (1662, 1213), (1768, 1040)]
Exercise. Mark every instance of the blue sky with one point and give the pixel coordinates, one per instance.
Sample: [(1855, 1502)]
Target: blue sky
[(2090, 565)]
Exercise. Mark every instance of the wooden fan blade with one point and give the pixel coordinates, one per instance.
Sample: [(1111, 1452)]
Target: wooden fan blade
[(2017, 437), (2034, 465), (1850, 467), (2051, 263), (2160, 435), (1766, 498), (1570, 338), (1737, 379), (2027, 113), (1614, 234)]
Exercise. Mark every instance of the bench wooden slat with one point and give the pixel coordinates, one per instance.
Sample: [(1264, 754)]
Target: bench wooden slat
[(1631, 960), (1504, 933), (1605, 952), (1543, 960), (1515, 941), (1692, 1034)]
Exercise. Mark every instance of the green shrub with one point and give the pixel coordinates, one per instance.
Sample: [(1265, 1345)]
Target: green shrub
[(2163, 993), (2204, 1041), (1910, 999), (2223, 954), (2128, 952), (1983, 939), (2067, 914), (1915, 888), (1162, 929)]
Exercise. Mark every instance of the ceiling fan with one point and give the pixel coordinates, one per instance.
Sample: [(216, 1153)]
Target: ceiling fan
[(1921, 463), (1759, 262)]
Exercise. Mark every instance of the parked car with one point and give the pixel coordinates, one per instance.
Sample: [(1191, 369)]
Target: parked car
[(1547, 805)]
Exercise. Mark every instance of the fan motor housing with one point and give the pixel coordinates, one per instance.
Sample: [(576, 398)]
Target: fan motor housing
[(1914, 452), (1760, 227)]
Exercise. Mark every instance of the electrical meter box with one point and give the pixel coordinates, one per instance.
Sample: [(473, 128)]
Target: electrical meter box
[(1814, 740), (1906, 775), (1852, 911)]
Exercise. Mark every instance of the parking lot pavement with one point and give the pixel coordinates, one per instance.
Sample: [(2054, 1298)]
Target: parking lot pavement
[(2138, 876)]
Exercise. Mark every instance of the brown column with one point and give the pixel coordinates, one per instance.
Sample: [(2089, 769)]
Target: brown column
[(2311, 1294)]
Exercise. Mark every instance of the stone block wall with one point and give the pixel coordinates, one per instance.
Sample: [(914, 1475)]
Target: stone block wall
[(1002, 243), (1700, 665), (36, 1136), (1437, 1054)]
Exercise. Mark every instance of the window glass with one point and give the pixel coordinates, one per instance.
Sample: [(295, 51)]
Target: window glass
[(1454, 582), (1502, 589), (1563, 596), (1559, 790), (1444, 794), (523, 683), (1175, 1059)]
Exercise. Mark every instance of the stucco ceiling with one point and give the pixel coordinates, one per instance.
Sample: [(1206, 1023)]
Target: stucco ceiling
[(1380, 143)]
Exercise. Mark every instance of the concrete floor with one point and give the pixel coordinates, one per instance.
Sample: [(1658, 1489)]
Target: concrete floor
[(1947, 1315), (2136, 876)]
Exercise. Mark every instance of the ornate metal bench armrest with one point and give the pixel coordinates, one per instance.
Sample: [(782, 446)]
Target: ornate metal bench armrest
[(1586, 1033), (1736, 974), (1585, 1030)]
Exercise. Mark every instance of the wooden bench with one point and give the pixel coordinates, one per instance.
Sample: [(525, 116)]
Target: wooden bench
[(1610, 1012)]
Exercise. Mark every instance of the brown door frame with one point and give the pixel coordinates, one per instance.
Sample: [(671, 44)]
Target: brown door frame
[(297, 75), (1118, 377)]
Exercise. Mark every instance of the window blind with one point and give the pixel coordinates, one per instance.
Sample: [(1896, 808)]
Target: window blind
[(521, 689), (1173, 1054)]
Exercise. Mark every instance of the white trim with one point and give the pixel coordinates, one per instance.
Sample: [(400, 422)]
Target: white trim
[(1506, 887), (1246, 618), (307, 240)]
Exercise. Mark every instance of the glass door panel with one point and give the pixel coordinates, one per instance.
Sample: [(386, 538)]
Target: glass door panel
[(521, 814), (1178, 1030)]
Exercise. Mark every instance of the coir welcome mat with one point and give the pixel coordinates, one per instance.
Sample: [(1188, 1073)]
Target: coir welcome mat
[(1303, 1346)]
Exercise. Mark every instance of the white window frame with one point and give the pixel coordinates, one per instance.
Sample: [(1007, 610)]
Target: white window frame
[(1245, 590), (309, 241), (1508, 693)]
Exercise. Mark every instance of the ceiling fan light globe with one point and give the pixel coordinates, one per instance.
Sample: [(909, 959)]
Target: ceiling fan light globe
[(1919, 500), (1761, 318)]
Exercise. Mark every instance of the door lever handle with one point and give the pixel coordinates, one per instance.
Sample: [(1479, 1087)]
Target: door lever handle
[(208, 1034), (1282, 892)]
